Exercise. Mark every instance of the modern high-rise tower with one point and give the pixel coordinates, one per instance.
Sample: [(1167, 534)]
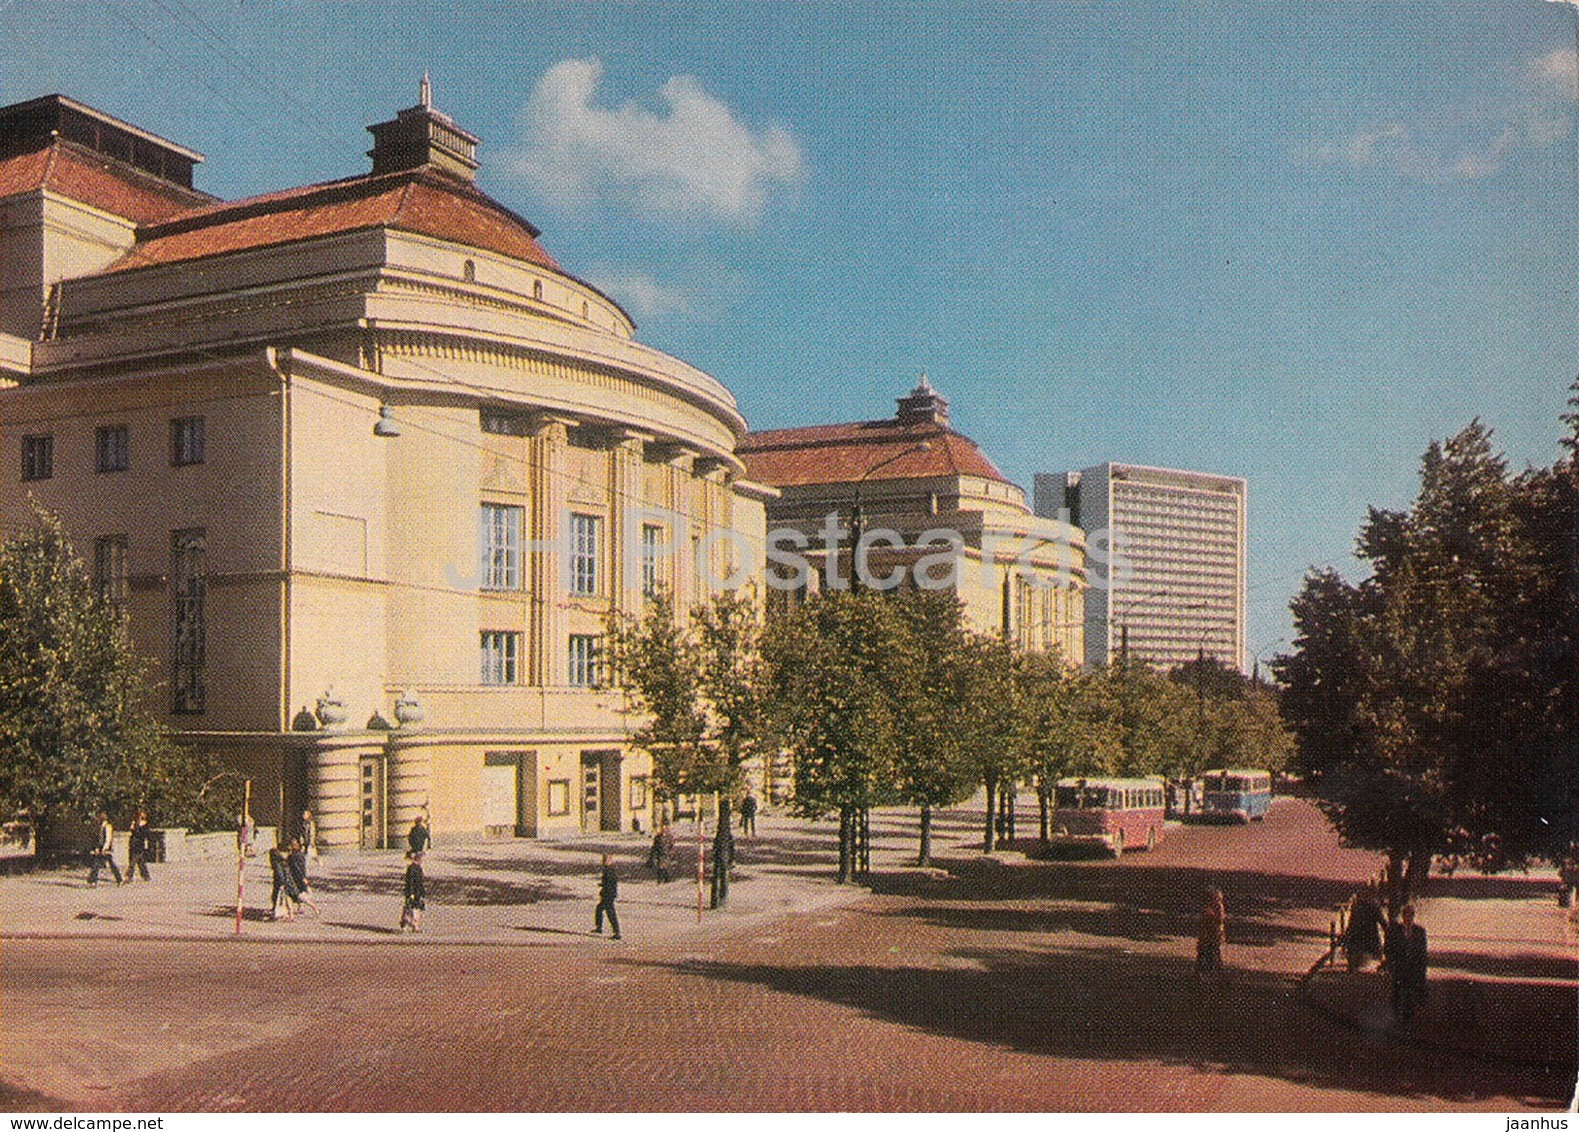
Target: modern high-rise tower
[(1166, 560)]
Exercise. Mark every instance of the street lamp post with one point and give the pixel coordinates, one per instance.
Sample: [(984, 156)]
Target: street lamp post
[(857, 519)]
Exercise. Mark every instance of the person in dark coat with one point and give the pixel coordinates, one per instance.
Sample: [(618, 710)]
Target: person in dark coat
[(662, 851), (420, 837), (1212, 934), (296, 863), (1362, 939), (286, 896), (1406, 959), (748, 816), (416, 894), (608, 892), (140, 848)]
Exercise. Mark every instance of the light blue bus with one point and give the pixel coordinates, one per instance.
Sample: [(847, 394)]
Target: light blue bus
[(1235, 795)]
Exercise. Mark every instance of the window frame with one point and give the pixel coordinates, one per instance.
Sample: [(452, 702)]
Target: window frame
[(499, 657), (38, 457), (112, 448), (188, 445), (583, 661), (188, 621), (501, 562), (586, 544)]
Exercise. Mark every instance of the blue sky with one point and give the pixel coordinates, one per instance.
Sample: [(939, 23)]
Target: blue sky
[(1293, 241)]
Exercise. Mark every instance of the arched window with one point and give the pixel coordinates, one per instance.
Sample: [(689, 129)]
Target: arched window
[(537, 289), (469, 271)]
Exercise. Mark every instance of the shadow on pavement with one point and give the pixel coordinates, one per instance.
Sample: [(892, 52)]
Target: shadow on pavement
[(1083, 1005)]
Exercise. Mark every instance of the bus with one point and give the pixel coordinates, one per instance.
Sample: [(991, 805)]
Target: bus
[(1235, 795), (1113, 813)]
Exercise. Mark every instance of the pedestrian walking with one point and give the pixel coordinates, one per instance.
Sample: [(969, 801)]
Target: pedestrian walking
[(102, 855), (1406, 960), (415, 893), (1362, 938), (296, 864), (748, 815), (140, 848), (285, 897), (419, 837), (309, 835), (662, 851), (608, 892), (1212, 935)]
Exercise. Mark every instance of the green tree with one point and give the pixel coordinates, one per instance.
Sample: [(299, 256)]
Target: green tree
[(991, 707), (74, 724), (1385, 690), (833, 662), (1074, 724), (929, 761), (702, 691)]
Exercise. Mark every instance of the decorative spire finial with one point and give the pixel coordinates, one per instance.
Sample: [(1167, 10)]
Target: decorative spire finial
[(425, 91)]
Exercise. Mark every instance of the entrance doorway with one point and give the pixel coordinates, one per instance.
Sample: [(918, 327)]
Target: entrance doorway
[(371, 776), (508, 803), (600, 791)]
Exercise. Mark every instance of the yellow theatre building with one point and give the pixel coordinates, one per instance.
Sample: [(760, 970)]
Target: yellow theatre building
[(361, 466)]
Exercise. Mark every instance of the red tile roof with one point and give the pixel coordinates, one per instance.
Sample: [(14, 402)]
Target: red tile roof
[(846, 453), (95, 180), (411, 201)]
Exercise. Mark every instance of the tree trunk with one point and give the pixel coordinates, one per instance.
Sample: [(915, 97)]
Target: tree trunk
[(1415, 872), (1041, 807), (845, 831), (723, 855), (1395, 884), (924, 857), (1012, 796), (992, 805)]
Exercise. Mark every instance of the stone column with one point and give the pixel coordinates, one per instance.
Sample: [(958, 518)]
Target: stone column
[(547, 644), (682, 501), (333, 794), (410, 787), (626, 502)]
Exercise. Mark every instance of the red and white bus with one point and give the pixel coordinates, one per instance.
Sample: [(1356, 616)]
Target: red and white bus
[(1114, 813)]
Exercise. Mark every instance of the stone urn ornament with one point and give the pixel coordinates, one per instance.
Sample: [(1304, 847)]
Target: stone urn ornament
[(331, 710), (408, 711)]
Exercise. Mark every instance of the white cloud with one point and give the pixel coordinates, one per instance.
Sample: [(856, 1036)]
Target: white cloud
[(692, 158), (1472, 140), (641, 294)]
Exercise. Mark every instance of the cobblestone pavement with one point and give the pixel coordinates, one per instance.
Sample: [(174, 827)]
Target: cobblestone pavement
[(1002, 984)]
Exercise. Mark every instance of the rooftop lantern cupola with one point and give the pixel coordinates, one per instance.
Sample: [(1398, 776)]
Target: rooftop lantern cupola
[(424, 137), (924, 405)]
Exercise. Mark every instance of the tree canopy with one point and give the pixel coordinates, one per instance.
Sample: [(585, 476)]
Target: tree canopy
[(74, 723)]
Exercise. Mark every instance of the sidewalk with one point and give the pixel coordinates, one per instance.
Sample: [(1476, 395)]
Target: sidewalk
[(514, 892), (1503, 982)]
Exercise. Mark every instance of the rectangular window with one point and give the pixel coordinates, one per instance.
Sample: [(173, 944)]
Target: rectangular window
[(499, 653), (638, 791), (501, 538), (558, 797), (583, 661), (584, 532), (38, 457), (109, 574), (186, 441), (652, 543), (188, 587), (111, 448)]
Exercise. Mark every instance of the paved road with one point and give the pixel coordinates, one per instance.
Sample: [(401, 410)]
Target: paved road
[(1002, 986)]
